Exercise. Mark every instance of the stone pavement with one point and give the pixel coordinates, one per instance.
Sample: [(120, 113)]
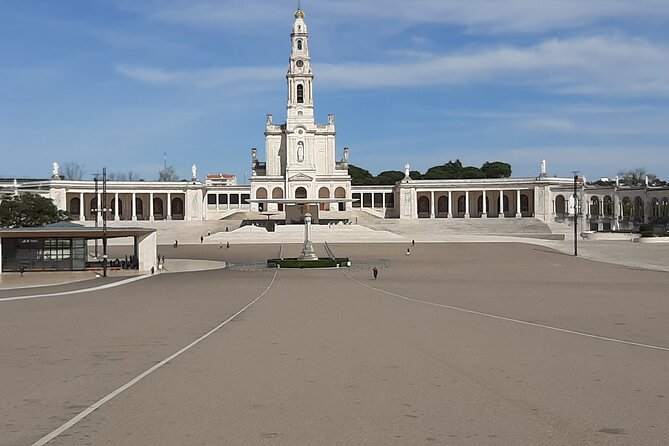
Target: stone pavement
[(635, 255)]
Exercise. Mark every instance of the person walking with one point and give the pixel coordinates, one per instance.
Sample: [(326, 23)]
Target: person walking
[(408, 251), (413, 242), (201, 239), (375, 272)]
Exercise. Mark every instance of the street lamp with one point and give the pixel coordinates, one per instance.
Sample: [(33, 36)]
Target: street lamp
[(576, 206), (96, 211), (104, 222)]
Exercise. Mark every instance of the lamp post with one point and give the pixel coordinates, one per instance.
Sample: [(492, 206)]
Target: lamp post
[(96, 211), (576, 206), (104, 222)]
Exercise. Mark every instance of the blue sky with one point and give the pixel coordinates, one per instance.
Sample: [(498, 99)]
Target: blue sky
[(118, 83)]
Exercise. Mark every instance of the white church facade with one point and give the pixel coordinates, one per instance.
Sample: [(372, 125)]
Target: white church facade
[(304, 170)]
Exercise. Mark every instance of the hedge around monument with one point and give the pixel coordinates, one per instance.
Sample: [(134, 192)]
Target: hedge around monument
[(339, 262)]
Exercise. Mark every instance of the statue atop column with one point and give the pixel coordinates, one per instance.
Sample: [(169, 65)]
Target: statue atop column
[(543, 168), (193, 170), (54, 172), (331, 119), (407, 171)]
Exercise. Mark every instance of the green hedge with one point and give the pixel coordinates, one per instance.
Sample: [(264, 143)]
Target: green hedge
[(341, 262)]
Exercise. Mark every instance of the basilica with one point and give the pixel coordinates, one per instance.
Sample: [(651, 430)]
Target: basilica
[(303, 170)]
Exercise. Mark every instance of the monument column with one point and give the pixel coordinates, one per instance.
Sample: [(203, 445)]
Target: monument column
[(81, 207), (484, 199), (134, 206), (151, 206), (98, 204), (466, 204), (518, 213), (169, 206), (432, 204)]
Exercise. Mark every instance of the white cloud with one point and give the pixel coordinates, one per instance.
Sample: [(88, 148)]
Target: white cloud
[(203, 78), (477, 15), (592, 65)]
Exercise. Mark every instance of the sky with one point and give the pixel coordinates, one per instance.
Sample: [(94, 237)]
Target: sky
[(126, 84)]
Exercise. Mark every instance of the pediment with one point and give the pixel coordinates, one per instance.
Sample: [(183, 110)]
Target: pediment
[(300, 177)]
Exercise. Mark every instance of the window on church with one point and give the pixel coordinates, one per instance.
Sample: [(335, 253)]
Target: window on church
[(299, 44), (300, 94)]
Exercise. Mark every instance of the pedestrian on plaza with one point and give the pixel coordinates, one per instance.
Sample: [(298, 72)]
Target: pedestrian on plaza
[(176, 243), (201, 239), (220, 245), (227, 244), (413, 242), (208, 233), (163, 259), (408, 251), (22, 269), (375, 272)]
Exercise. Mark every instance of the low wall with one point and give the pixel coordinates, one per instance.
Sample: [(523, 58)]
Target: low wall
[(652, 240), (593, 235)]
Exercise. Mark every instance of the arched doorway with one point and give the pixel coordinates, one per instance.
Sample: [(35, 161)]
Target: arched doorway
[(479, 204), (157, 208), (261, 194), (524, 205), (340, 192), (462, 205), (607, 205), (75, 207), (139, 208), (627, 207), (442, 206), (423, 207), (560, 210), (93, 208), (637, 209), (324, 192), (277, 192), (594, 206), (177, 209)]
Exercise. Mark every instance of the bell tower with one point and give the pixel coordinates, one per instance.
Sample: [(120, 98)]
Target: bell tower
[(300, 110)]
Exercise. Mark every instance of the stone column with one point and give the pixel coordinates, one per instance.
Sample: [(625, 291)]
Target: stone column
[(82, 205), (116, 216), (485, 205), (432, 214), (134, 206), (518, 213), (466, 204), (450, 205), (501, 204), (308, 252), (169, 206), (151, 206)]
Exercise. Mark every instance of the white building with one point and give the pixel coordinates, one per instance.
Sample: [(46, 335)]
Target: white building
[(301, 172)]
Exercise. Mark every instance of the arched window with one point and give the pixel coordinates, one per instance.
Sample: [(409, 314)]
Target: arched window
[(300, 192), (94, 206), (300, 94), (299, 44), (461, 205), (594, 206), (480, 204), (75, 206), (157, 208), (559, 205), (442, 204), (139, 207), (608, 205), (524, 203), (637, 212), (277, 192), (505, 203), (627, 207), (423, 207), (177, 206)]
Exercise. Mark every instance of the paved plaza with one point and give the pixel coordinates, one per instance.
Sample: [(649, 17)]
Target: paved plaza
[(456, 343)]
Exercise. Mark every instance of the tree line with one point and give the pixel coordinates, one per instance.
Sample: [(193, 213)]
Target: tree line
[(452, 170)]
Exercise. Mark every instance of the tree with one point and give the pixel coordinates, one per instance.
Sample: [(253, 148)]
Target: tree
[(636, 177), (29, 210), (117, 176), (496, 169), (359, 176), (389, 177), (73, 171), (168, 174)]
